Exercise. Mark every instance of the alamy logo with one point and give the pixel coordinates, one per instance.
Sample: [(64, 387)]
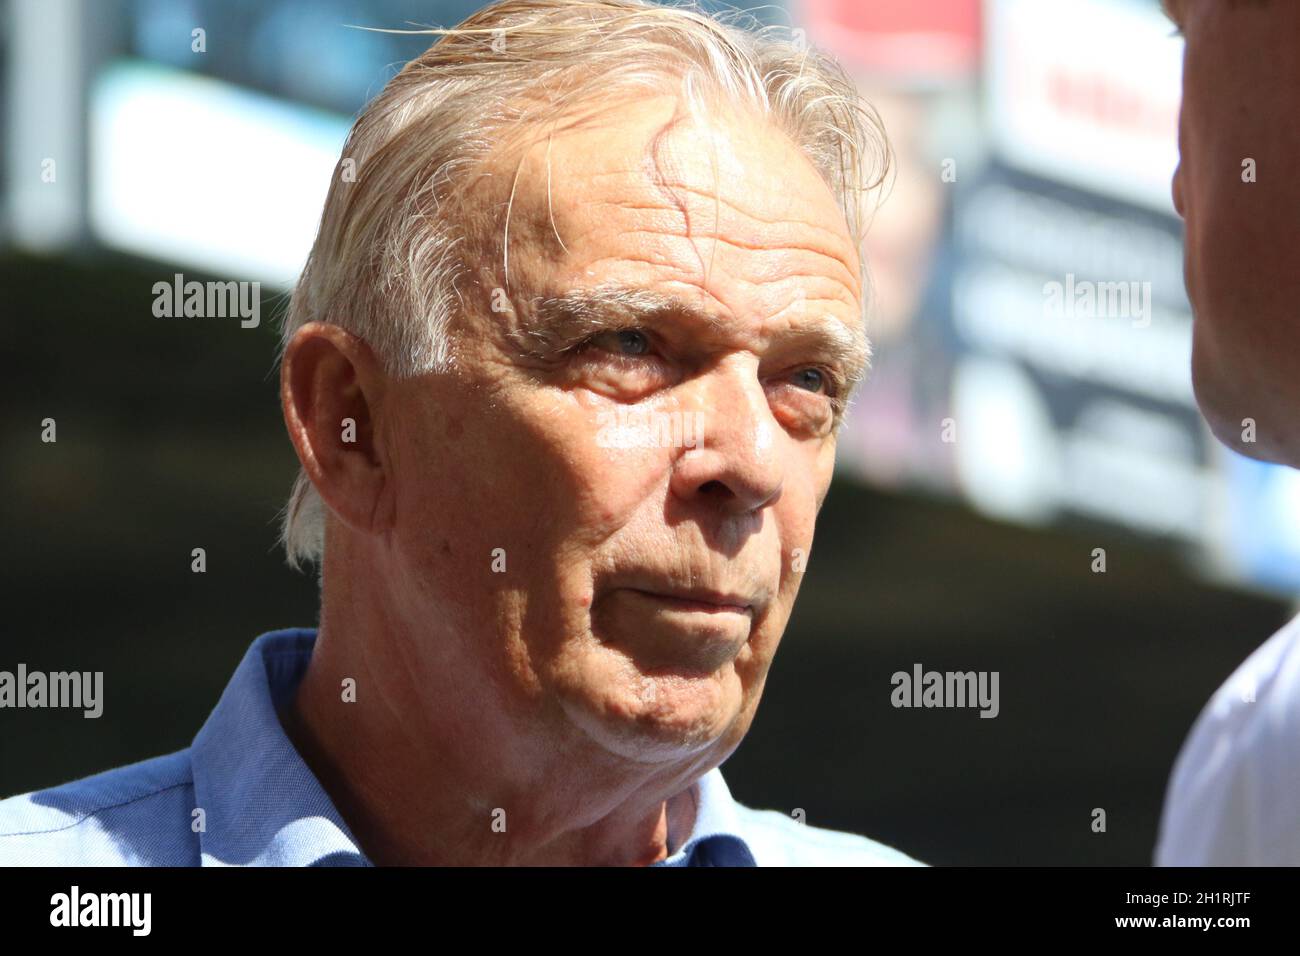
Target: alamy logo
[(213, 300), (1085, 299), (75, 689), (102, 909), (923, 688), (641, 428)]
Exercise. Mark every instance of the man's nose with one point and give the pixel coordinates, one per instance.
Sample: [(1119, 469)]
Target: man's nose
[(739, 458)]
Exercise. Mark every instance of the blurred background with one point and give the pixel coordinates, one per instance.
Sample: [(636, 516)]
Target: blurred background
[(993, 451)]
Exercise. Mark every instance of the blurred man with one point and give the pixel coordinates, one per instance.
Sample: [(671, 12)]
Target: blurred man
[(564, 373), (1235, 791)]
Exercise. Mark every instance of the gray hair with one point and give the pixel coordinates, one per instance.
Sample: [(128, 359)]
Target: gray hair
[(395, 232)]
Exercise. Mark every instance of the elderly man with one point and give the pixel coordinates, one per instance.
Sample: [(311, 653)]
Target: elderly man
[(1233, 795), (564, 372)]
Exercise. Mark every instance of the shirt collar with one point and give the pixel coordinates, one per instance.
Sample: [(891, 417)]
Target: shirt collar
[(715, 838), (263, 806)]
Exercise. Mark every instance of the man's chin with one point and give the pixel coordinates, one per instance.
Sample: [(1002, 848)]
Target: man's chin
[(659, 716), (1243, 424), (1235, 382)]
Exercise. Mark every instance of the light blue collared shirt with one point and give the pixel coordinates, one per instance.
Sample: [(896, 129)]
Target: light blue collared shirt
[(241, 795)]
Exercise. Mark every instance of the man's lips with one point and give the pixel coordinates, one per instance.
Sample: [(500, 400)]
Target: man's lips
[(710, 602), (664, 624)]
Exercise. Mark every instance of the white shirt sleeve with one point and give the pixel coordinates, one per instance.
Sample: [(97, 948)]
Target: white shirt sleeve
[(1234, 797)]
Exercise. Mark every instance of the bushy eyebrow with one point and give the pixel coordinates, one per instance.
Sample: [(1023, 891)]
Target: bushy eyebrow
[(558, 323)]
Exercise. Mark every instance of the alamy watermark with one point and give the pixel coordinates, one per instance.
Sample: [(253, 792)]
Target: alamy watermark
[(922, 688), (76, 689), (208, 300), (1085, 299), (75, 908), (625, 427)]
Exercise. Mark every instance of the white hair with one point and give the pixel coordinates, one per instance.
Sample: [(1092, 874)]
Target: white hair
[(396, 232)]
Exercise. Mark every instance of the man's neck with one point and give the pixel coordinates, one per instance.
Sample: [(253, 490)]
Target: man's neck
[(410, 805)]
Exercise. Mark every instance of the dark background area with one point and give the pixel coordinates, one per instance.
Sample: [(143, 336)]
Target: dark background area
[(170, 438)]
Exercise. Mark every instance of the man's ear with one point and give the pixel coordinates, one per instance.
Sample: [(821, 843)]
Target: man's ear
[(332, 390)]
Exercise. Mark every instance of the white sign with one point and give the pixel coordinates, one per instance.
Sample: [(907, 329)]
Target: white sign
[(1086, 92)]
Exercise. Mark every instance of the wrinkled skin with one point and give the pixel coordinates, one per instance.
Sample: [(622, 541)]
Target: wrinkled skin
[(571, 690)]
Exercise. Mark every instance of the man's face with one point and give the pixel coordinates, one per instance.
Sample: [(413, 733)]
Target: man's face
[(641, 585), (1241, 101)]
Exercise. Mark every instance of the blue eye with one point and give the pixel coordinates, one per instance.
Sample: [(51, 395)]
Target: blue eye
[(626, 342), (810, 378), (633, 341)]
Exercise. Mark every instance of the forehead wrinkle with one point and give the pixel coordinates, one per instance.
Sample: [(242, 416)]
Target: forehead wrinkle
[(642, 183), (611, 240), (648, 178), (847, 282), (629, 204), (678, 228), (832, 233)]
